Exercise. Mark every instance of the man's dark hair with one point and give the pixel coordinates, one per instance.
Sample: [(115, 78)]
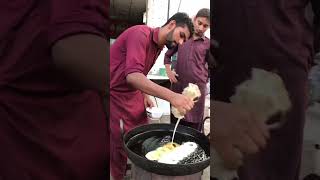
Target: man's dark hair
[(182, 20), (204, 12)]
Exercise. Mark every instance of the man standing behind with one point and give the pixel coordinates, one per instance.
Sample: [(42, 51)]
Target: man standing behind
[(131, 57), (192, 67)]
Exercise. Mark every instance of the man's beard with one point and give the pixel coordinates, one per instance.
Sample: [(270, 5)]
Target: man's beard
[(198, 34), (169, 41)]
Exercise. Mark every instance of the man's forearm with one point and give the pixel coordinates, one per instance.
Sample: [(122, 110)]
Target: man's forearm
[(140, 81), (84, 59), (169, 54), (168, 67)]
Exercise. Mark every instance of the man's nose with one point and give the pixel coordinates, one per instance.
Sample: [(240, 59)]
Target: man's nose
[(181, 41), (201, 28)]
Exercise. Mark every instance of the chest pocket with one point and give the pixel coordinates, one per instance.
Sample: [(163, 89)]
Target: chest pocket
[(200, 50)]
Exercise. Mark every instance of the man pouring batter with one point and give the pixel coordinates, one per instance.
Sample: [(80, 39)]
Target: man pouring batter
[(131, 57)]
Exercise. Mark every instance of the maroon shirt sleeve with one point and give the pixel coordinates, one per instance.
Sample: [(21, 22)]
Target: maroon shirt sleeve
[(168, 54), (136, 45), (69, 17)]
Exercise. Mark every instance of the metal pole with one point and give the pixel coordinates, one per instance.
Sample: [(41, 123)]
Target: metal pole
[(179, 5), (168, 9)]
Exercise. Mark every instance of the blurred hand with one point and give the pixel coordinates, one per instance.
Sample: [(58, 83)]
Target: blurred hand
[(236, 133), (148, 103), (172, 76), (182, 103)]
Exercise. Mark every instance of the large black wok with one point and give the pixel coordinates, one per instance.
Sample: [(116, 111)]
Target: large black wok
[(134, 138)]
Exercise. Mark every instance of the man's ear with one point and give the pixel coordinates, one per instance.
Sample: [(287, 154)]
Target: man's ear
[(172, 24), (194, 19)]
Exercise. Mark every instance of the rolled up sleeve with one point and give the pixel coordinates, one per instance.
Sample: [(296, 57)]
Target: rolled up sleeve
[(168, 54), (136, 52)]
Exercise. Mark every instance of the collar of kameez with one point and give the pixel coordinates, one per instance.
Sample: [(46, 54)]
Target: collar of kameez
[(200, 38), (155, 36)]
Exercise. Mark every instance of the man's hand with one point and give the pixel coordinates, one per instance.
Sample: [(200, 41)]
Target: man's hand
[(148, 103), (182, 103), (236, 133), (172, 76), (140, 82)]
